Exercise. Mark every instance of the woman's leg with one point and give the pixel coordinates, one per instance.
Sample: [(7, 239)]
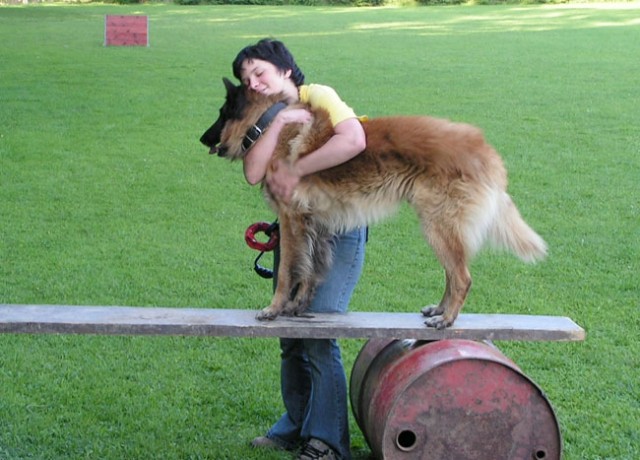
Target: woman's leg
[(327, 413), (295, 386), (314, 387)]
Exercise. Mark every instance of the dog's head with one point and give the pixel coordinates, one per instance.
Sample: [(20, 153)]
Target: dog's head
[(231, 110), (238, 117)]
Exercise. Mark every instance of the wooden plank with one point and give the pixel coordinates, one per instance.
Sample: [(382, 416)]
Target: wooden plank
[(64, 319)]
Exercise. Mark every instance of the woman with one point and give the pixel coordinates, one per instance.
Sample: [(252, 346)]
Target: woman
[(313, 381)]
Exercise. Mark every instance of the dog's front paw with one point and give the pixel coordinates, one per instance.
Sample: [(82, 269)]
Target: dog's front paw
[(293, 308), (432, 310), (436, 317), (438, 322), (267, 314)]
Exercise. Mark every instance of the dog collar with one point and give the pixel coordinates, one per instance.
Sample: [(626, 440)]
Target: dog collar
[(254, 132)]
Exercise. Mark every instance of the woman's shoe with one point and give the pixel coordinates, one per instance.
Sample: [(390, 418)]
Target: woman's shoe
[(317, 450)]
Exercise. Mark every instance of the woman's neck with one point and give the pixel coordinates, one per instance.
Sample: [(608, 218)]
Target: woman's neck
[(291, 91)]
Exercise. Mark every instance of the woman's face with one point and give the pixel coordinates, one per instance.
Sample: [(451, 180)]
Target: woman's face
[(263, 77)]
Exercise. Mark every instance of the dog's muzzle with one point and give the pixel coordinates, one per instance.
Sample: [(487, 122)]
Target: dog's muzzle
[(220, 150)]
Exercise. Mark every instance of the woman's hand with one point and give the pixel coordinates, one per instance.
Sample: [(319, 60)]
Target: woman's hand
[(282, 180), (287, 116)]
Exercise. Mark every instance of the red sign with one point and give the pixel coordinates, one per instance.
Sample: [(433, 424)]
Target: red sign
[(126, 30)]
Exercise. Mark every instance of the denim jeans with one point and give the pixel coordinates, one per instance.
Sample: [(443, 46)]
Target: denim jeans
[(313, 380)]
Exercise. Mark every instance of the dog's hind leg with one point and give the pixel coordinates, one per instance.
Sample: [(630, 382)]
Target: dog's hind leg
[(436, 310), (451, 252)]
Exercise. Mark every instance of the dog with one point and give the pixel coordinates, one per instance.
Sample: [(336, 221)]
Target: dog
[(446, 171)]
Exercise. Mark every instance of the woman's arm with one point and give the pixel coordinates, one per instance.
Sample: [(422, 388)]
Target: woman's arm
[(348, 141), (259, 155)]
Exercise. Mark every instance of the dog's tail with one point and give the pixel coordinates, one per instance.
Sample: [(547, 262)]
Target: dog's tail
[(509, 231)]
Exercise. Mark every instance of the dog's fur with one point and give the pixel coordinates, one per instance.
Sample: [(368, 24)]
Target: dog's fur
[(454, 180)]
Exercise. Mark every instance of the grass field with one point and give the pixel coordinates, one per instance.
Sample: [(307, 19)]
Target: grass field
[(107, 198)]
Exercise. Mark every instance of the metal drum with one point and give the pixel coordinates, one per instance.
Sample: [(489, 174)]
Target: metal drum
[(449, 400)]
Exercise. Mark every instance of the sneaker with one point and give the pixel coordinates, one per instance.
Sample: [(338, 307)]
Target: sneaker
[(262, 442), (317, 450)]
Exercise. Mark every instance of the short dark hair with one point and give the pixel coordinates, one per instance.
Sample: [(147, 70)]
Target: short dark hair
[(272, 51)]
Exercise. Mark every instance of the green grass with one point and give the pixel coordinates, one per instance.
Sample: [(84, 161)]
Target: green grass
[(107, 198)]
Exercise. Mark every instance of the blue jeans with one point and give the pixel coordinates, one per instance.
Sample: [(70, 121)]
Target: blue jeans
[(313, 380)]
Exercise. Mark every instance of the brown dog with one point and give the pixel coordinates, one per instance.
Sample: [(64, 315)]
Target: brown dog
[(454, 180)]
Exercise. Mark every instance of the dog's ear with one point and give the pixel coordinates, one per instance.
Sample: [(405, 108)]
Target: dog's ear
[(229, 86), (211, 136)]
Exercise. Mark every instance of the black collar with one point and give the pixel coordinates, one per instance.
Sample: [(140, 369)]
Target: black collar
[(254, 133)]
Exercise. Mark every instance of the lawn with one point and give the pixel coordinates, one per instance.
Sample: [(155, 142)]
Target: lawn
[(107, 198)]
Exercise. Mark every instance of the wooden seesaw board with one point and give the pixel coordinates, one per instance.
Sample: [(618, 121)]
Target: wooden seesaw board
[(114, 320)]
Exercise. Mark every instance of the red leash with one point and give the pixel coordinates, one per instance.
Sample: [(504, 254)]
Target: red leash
[(270, 230)]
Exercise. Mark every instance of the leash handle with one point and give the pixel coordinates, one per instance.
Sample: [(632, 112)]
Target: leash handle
[(271, 230)]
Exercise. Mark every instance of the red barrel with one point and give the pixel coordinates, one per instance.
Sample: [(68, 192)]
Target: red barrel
[(449, 399)]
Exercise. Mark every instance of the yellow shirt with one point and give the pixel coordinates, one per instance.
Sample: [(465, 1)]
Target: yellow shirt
[(325, 97)]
